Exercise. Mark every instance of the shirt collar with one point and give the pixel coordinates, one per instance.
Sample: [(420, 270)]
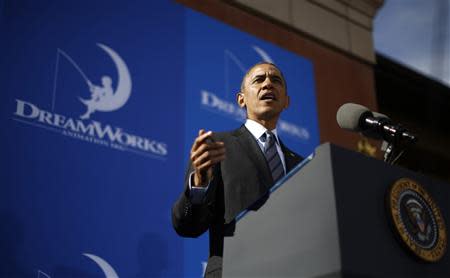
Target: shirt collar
[(257, 129)]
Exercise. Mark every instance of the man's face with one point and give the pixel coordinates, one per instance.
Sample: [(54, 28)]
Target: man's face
[(264, 93)]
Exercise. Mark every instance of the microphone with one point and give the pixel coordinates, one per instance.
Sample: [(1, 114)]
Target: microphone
[(358, 118)]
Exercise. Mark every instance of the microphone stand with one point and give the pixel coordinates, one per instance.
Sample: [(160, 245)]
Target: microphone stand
[(395, 145), (391, 152)]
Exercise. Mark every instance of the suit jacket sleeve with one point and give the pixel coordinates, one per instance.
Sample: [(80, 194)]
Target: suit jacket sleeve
[(192, 220)]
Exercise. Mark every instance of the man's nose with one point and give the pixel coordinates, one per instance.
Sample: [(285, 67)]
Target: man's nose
[(267, 83)]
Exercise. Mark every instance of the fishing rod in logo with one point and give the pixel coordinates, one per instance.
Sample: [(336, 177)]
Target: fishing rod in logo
[(103, 97)]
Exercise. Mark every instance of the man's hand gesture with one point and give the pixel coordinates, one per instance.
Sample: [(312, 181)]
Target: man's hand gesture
[(204, 154)]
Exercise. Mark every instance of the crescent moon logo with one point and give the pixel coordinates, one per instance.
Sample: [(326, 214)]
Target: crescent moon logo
[(263, 54), (102, 96), (106, 268)]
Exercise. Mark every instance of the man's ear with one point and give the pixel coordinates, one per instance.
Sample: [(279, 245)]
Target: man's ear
[(288, 101), (240, 98)]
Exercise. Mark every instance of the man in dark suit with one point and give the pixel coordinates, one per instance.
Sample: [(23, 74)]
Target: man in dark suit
[(232, 171)]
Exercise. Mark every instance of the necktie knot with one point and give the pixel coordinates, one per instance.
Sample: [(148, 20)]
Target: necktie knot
[(268, 138)]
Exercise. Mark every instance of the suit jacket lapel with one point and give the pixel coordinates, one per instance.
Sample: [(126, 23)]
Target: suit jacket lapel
[(291, 159), (252, 149), (236, 199)]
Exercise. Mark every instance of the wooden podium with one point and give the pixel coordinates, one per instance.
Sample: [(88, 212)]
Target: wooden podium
[(328, 218)]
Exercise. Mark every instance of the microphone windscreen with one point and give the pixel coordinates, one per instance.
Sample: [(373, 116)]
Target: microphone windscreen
[(349, 114)]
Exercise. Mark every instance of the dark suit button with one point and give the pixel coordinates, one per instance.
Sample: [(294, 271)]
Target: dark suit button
[(187, 210)]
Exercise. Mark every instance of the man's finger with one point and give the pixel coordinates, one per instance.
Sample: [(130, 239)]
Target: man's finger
[(207, 164), (200, 138), (207, 147), (198, 158), (208, 155)]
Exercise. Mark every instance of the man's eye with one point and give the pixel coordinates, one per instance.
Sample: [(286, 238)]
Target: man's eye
[(277, 80)]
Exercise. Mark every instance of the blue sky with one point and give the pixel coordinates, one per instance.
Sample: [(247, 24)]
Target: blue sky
[(404, 31)]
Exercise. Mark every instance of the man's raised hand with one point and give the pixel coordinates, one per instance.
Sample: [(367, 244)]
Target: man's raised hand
[(205, 152)]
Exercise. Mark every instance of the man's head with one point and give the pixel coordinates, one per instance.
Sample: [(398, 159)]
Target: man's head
[(263, 93)]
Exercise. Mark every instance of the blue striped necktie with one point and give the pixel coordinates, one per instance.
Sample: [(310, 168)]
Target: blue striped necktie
[(272, 157)]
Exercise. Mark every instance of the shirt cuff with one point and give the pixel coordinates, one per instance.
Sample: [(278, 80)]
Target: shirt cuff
[(196, 193)]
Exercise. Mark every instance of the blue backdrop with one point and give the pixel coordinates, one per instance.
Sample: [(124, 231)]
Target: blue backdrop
[(102, 100)]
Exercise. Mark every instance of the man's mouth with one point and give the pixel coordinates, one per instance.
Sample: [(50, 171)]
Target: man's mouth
[(268, 96)]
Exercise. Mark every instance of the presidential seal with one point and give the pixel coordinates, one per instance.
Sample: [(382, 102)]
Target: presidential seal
[(417, 220)]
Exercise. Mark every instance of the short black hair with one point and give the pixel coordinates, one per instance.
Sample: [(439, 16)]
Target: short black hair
[(258, 64)]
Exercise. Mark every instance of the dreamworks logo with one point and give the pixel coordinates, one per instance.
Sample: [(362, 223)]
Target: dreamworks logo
[(103, 98)]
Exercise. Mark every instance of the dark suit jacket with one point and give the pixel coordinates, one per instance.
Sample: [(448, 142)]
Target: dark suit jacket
[(239, 181)]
